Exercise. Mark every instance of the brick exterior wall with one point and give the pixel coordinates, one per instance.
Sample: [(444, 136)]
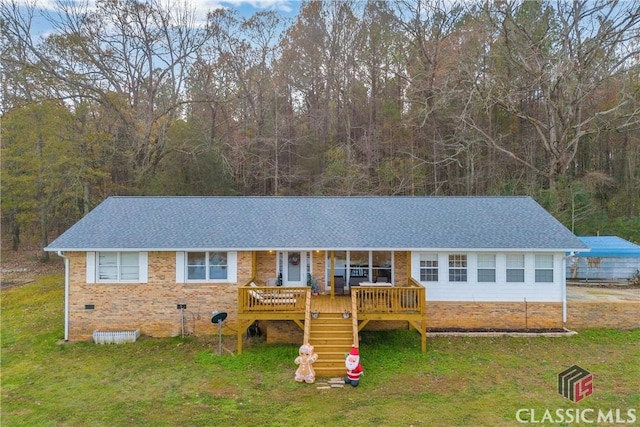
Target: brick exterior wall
[(152, 307), (400, 270), (453, 315), (493, 315), (605, 314), (266, 266), (318, 261)]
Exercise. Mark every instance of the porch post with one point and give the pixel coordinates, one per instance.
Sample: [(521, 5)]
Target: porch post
[(254, 264), (331, 275)]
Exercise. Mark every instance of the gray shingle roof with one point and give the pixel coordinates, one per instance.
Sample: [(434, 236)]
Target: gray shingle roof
[(401, 223)]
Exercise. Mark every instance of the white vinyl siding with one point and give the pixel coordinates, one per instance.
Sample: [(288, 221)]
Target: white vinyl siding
[(501, 290)]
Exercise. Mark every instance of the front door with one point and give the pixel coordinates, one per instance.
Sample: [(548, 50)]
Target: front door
[(295, 267)]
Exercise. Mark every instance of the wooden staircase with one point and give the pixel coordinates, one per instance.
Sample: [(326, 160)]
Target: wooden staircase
[(331, 335)]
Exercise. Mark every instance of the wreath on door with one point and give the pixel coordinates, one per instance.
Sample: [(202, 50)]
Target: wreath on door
[(294, 259)]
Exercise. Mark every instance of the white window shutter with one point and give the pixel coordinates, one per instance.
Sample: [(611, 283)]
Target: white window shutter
[(180, 267), (91, 267), (143, 265), (232, 265)]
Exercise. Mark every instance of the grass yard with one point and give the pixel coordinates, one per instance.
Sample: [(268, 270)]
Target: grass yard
[(169, 382)]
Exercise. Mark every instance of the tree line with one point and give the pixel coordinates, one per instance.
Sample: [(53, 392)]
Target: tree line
[(403, 97)]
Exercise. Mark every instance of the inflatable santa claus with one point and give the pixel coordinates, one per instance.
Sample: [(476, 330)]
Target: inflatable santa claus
[(354, 369)]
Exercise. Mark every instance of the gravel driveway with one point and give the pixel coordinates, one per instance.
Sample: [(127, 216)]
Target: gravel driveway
[(599, 293)]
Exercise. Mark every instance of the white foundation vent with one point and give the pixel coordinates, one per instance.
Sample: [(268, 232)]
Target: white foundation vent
[(115, 337)]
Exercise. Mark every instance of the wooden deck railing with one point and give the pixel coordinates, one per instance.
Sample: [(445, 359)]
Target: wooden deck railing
[(367, 303), (272, 299), (397, 299)]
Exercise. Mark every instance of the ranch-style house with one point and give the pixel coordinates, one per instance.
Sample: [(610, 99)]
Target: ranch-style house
[(162, 265)]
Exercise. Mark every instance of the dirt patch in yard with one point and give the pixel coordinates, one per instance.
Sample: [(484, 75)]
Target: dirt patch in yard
[(24, 265), (603, 293)]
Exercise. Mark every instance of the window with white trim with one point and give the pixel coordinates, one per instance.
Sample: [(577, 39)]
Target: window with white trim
[(515, 268), (486, 268), (207, 266), (544, 268), (457, 268), (118, 267), (428, 267)]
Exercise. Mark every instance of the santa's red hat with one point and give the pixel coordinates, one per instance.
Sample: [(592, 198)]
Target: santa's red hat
[(354, 351)]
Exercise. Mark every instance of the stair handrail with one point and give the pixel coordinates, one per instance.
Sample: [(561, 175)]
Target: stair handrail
[(307, 318), (354, 318)]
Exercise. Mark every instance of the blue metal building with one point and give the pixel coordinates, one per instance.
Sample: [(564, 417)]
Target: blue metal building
[(611, 259)]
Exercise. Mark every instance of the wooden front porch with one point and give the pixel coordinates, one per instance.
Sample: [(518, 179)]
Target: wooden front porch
[(332, 322)]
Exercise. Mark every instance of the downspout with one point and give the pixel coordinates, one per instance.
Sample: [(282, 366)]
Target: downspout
[(66, 295), (563, 277)]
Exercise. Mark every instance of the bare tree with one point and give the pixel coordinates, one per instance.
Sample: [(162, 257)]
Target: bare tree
[(129, 57), (549, 65)]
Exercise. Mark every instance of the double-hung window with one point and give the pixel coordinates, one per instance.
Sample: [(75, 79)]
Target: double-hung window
[(486, 268), (457, 268), (428, 267), (207, 266), (115, 267), (515, 268), (544, 268)]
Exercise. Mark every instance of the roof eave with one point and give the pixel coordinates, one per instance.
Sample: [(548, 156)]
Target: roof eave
[(278, 248)]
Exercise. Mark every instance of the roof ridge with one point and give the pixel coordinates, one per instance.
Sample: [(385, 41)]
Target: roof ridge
[(523, 196)]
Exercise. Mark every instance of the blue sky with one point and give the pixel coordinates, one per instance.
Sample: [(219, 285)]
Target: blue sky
[(287, 8), (249, 7)]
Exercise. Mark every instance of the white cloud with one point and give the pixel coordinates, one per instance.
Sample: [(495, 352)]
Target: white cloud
[(201, 6), (277, 5), (48, 10)]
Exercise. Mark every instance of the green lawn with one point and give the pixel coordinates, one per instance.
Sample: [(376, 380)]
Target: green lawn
[(171, 382)]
